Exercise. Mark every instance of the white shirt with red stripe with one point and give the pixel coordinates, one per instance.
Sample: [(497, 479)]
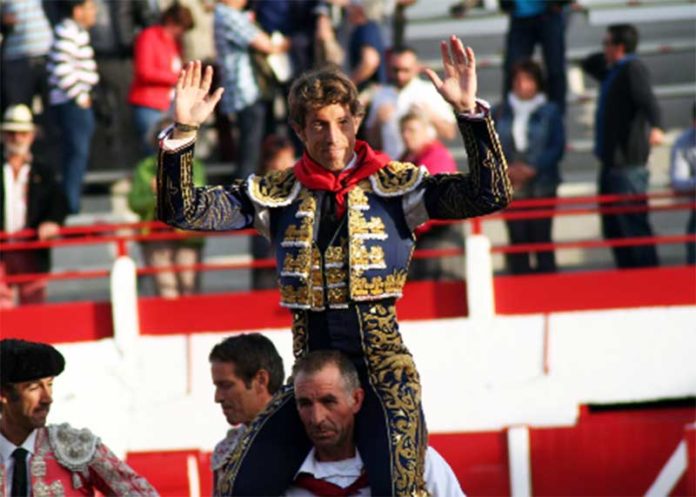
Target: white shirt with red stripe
[(440, 480)]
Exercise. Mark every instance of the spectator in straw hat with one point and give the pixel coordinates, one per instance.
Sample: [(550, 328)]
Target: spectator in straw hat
[(31, 199)]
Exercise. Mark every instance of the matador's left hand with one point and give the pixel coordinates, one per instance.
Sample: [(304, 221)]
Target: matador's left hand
[(460, 83)]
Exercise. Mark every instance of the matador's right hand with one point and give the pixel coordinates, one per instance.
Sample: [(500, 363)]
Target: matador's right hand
[(192, 102)]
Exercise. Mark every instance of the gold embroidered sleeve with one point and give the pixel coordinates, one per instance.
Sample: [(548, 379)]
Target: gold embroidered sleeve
[(485, 189), (208, 208)]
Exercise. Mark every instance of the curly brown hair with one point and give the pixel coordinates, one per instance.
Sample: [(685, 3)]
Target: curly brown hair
[(318, 88)]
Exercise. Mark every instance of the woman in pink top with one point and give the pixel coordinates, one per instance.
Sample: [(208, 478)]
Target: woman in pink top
[(423, 148), (157, 63)]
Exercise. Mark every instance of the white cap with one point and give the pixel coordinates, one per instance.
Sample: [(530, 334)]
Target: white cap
[(17, 118)]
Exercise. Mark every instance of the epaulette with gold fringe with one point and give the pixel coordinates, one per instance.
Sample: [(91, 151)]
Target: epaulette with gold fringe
[(275, 189), (397, 178)]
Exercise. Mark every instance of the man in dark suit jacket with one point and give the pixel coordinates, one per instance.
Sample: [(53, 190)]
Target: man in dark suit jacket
[(627, 124), (30, 198)]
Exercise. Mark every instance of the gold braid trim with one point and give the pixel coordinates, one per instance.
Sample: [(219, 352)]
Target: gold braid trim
[(502, 187), (299, 334), (186, 185), (393, 375)]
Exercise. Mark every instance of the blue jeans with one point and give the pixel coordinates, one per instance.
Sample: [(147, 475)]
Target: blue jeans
[(145, 120), (77, 127), (628, 181), (548, 30)]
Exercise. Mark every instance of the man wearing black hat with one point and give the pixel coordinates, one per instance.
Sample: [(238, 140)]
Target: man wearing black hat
[(55, 460)]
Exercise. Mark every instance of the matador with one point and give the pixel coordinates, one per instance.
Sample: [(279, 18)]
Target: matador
[(341, 222)]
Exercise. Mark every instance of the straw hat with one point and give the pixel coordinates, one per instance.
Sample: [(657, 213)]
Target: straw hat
[(17, 118)]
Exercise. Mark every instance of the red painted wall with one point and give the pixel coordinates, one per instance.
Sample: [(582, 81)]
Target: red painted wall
[(612, 453)]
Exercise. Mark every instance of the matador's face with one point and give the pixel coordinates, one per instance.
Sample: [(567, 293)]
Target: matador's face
[(329, 135)]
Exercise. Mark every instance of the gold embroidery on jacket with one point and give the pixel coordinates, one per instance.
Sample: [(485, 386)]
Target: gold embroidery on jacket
[(299, 333), (397, 178), (298, 265), (338, 297), (360, 227), (363, 258), (335, 256), (336, 276), (364, 288), (187, 189), (307, 206), (229, 473), (298, 235), (392, 373), (294, 297), (275, 189)]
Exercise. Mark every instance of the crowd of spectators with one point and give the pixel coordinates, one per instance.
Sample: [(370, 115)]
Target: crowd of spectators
[(113, 64)]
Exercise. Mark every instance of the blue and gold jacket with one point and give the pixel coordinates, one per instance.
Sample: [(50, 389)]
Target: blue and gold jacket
[(367, 259)]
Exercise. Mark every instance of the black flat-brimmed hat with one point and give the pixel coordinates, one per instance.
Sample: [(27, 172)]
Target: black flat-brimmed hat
[(21, 361)]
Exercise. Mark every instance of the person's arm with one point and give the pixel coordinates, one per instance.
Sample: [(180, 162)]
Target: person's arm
[(368, 65), (487, 187), (179, 202), (595, 65), (111, 476), (644, 99), (681, 175), (55, 209), (146, 62), (263, 43), (439, 478), (555, 145)]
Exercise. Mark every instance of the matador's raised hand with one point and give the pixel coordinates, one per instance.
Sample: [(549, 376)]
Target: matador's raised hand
[(459, 84), (192, 102)]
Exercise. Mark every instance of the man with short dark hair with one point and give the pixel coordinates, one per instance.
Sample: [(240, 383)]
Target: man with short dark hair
[(246, 371), (38, 459), (328, 397), (341, 222), (627, 124)]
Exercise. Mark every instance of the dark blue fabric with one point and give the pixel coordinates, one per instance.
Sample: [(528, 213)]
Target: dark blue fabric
[(628, 181), (530, 231), (397, 246), (145, 119), (547, 30), (602, 103), (77, 127), (368, 34), (274, 15), (546, 145)]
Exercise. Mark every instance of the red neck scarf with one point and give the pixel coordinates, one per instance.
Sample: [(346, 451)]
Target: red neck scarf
[(325, 488), (316, 177)]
